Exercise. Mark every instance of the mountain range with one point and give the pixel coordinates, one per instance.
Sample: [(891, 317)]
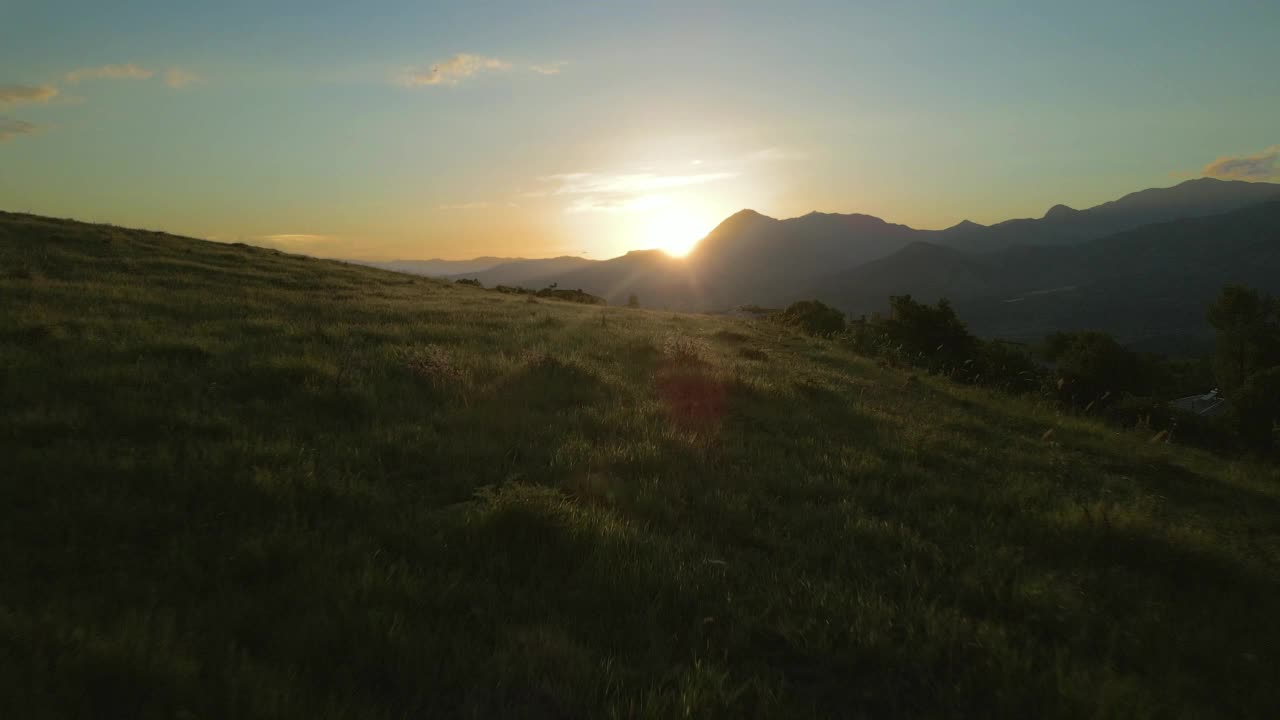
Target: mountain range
[(1141, 266), (1149, 285)]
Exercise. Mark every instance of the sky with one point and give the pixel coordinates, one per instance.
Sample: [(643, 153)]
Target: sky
[(414, 130)]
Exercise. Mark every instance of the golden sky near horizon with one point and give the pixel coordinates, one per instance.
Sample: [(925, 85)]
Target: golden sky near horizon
[(514, 129)]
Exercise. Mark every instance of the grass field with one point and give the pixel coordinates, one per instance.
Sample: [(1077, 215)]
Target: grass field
[(237, 483)]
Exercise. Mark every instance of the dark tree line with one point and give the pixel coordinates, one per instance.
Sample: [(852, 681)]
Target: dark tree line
[(1246, 359), (1086, 371)]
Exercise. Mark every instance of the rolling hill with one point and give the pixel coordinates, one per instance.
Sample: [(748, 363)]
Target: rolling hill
[(437, 267), (239, 483), (499, 271), (528, 273)]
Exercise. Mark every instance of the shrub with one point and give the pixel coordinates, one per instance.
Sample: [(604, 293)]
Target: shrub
[(814, 318), (1006, 366), (633, 301), (684, 349), (436, 366), (473, 282), (758, 311), (577, 296)]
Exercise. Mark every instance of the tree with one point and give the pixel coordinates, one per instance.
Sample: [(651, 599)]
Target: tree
[(932, 335), (633, 301), (1248, 331), (1094, 369), (1256, 406)]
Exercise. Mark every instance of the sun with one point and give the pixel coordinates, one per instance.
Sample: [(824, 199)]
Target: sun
[(675, 230)]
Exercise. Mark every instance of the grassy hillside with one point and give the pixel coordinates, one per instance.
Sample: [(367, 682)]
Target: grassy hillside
[(237, 483)]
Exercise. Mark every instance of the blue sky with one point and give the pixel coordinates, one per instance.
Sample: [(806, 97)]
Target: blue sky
[(571, 127)]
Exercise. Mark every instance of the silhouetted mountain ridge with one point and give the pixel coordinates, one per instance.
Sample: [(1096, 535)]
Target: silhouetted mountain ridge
[(858, 260), (1150, 281), (1063, 225)]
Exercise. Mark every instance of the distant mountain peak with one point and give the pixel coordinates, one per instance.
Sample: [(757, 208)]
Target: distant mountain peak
[(735, 223), (1204, 195), (1060, 211), (842, 216), (964, 226), (647, 254)]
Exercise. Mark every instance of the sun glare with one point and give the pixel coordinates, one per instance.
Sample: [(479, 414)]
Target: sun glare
[(675, 230)]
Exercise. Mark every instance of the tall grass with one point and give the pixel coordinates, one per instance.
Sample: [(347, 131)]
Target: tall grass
[(237, 483)]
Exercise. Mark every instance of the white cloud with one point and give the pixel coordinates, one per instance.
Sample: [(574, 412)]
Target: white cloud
[(11, 95), (110, 72), (1249, 167), (623, 192), (465, 65), (454, 70), (628, 183), (177, 78), (10, 128), (549, 68)]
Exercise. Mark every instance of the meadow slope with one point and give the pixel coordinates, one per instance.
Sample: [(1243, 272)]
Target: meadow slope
[(238, 483)]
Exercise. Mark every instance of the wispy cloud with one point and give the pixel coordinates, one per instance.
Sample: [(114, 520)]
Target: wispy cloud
[(462, 66), (549, 68), (12, 95), (647, 188), (616, 203), (10, 128), (110, 72), (628, 183), (177, 78), (454, 70), (623, 192), (1249, 167)]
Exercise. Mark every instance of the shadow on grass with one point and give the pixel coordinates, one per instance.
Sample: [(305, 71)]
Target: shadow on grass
[(1186, 488)]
